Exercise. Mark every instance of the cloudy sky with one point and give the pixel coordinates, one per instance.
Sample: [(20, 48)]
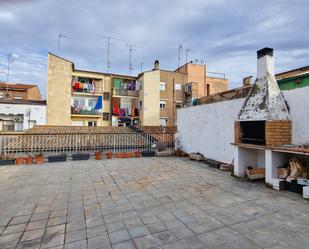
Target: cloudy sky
[(225, 34)]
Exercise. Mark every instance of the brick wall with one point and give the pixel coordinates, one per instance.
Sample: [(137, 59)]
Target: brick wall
[(278, 132), (237, 132)]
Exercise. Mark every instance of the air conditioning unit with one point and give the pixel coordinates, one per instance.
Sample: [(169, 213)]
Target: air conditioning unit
[(18, 119)]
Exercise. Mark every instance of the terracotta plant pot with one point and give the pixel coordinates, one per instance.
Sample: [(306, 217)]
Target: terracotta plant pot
[(124, 155), (98, 155), (109, 155), (19, 160), (39, 159), (137, 154), (28, 160), (177, 152)]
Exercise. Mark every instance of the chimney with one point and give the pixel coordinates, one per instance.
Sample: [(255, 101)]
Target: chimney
[(247, 81), (265, 63), (156, 65), (264, 118)]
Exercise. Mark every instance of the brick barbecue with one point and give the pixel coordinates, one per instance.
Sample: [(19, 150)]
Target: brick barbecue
[(264, 118)]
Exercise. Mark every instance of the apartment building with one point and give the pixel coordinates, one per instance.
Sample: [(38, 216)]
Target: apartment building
[(86, 98), (11, 91), (21, 107), (163, 92)]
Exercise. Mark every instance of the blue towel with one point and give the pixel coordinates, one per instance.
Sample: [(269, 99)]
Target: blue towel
[(99, 104)]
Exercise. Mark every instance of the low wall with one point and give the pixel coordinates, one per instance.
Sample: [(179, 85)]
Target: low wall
[(209, 128)]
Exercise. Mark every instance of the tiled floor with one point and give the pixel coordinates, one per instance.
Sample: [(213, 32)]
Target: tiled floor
[(144, 203)]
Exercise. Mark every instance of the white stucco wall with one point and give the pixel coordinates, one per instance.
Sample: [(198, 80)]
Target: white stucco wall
[(209, 128), (298, 102), (38, 112)]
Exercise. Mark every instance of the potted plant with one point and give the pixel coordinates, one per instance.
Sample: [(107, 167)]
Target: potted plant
[(98, 155), (137, 154), (28, 160), (80, 156), (7, 161), (57, 158), (109, 155), (39, 159), (19, 160)]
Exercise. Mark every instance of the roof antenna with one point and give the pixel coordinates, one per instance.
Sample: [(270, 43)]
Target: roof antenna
[(131, 49), (60, 36), (108, 44), (179, 53)]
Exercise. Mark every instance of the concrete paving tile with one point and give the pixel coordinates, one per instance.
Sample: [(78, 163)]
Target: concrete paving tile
[(81, 244), (36, 225), (19, 219), (75, 236), (96, 231), (10, 239), (165, 237), (115, 226), (146, 242), (56, 221), (99, 242), (32, 244), (119, 236), (14, 229), (33, 234), (138, 231), (124, 245), (53, 240)]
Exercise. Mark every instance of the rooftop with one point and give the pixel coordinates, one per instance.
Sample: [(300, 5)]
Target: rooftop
[(16, 86), (144, 203)]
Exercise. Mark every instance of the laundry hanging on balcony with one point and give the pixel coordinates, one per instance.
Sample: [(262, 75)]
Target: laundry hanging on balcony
[(99, 103)]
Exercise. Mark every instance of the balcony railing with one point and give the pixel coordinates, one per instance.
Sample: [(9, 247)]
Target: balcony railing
[(123, 92), (82, 111)]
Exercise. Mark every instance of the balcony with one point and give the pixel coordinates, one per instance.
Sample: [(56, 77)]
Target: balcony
[(128, 93), (85, 111)]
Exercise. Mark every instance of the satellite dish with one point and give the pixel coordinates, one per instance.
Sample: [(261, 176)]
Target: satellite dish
[(28, 112)]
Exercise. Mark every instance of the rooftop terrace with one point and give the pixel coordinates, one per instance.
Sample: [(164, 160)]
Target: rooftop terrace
[(144, 203)]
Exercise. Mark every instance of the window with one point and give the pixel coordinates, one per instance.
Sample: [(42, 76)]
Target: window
[(106, 96), (177, 86), (208, 89), (92, 103), (92, 123), (178, 106), (78, 102), (162, 86), (8, 125), (18, 97), (106, 116), (18, 126), (162, 104), (1, 95)]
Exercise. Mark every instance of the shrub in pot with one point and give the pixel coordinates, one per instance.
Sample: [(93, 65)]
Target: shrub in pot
[(98, 155), (109, 155), (28, 160), (39, 159)]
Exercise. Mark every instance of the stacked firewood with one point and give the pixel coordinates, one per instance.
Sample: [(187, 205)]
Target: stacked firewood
[(295, 170)]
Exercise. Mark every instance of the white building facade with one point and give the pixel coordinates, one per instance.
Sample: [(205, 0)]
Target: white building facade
[(21, 115)]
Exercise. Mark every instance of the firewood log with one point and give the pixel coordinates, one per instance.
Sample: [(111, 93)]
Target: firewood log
[(298, 170)]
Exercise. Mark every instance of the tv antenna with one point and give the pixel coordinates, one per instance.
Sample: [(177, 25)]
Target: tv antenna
[(179, 54), (11, 59), (187, 53), (60, 36), (109, 44), (131, 49)]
